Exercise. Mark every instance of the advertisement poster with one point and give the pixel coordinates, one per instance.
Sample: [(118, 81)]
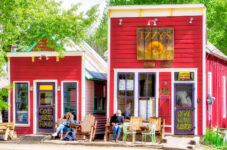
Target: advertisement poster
[(129, 85), (121, 85)]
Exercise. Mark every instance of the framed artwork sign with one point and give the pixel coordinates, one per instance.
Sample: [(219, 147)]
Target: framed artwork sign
[(155, 43)]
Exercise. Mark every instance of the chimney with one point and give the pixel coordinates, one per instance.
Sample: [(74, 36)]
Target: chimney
[(13, 48)]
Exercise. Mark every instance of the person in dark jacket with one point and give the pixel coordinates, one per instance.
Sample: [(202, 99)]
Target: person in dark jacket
[(116, 121)]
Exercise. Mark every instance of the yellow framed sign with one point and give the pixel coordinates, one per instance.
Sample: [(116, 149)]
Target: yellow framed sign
[(155, 43), (46, 87)]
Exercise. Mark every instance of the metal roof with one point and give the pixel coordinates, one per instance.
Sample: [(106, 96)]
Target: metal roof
[(95, 66), (211, 49)]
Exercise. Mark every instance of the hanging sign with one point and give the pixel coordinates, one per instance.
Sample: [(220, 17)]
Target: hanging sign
[(184, 76), (155, 44)]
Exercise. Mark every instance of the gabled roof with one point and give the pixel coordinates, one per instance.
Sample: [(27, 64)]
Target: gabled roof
[(44, 35), (212, 50), (95, 66)]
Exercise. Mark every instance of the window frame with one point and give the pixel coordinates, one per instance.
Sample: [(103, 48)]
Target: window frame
[(96, 111), (62, 97), (14, 103), (125, 96), (224, 96)]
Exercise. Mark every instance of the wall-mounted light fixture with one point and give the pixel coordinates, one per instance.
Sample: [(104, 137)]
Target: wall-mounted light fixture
[(154, 22), (191, 19), (120, 22), (59, 88), (31, 88), (43, 55)]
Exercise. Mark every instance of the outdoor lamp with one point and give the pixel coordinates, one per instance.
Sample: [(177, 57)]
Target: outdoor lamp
[(120, 21), (191, 19)]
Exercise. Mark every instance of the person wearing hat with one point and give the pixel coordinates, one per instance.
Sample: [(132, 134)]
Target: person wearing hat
[(116, 121)]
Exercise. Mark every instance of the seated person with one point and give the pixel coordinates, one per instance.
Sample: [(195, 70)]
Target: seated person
[(64, 126), (116, 121)]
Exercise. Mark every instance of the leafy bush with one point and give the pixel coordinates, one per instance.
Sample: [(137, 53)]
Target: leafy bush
[(3, 94), (210, 138)]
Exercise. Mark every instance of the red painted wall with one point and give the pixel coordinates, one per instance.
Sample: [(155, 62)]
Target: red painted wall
[(165, 100), (187, 48), (23, 69), (218, 68)]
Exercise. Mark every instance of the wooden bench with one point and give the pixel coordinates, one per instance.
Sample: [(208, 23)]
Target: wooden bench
[(158, 121), (7, 130)]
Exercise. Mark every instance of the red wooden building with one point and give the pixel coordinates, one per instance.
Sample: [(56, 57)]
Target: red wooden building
[(158, 67), (46, 85)]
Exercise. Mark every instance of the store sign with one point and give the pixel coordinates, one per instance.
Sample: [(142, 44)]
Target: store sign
[(184, 120), (46, 118), (184, 76), (46, 87), (155, 44)]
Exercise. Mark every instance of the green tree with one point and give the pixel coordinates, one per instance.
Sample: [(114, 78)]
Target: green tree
[(99, 40), (3, 103), (216, 20), (22, 22)]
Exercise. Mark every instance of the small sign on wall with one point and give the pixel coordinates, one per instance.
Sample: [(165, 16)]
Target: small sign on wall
[(165, 91)]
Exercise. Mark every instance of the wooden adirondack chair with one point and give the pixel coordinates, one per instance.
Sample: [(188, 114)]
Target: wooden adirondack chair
[(7, 129), (159, 125), (135, 123), (88, 127)]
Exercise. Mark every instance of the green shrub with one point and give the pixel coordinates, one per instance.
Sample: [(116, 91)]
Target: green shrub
[(210, 138)]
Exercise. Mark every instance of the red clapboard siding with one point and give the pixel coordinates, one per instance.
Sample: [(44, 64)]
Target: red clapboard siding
[(164, 104), (23, 69), (187, 49), (218, 68)]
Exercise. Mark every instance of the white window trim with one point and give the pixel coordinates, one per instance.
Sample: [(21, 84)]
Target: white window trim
[(157, 71), (35, 102), (77, 96), (14, 104), (224, 97)]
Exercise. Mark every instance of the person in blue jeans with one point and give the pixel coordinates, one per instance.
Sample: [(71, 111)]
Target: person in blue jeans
[(116, 121), (64, 126)]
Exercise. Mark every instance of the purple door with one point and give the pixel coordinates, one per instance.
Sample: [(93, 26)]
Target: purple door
[(184, 108), (45, 106)]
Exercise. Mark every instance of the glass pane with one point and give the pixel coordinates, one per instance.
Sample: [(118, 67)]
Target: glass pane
[(70, 92), (22, 112), (142, 84), (122, 108), (104, 104), (121, 84), (151, 85), (184, 95), (21, 92), (71, 108), (46, 98), (129, 108), (130, 84), (121, 101)]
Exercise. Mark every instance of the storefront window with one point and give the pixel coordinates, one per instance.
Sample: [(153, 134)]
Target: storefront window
[(99, 97), (21, 102), (147, 103), (126, 94), (70, 98)]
